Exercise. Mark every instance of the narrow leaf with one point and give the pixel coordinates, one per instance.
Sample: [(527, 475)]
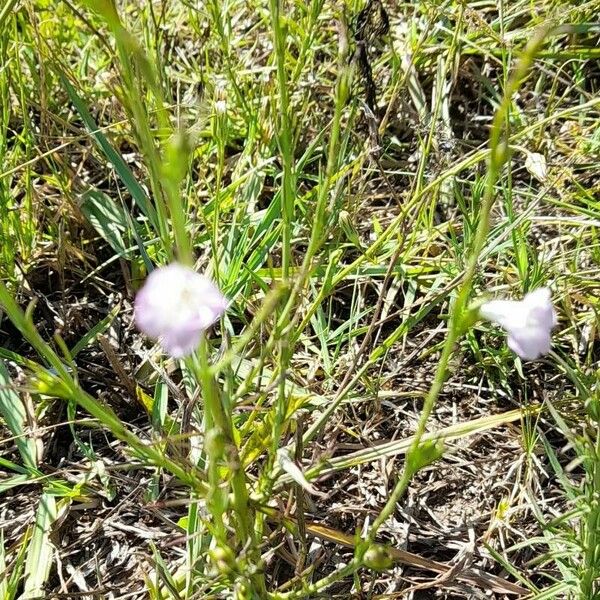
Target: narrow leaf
[(96, 330), (124, 172), (12, 410), (106, 217), (39, 552)]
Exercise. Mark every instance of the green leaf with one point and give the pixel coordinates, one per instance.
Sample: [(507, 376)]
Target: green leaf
[(164, 576), (3, 578), (426, 453), (96, 330), (111, 221), (9, 584), (12, 410), (12, 482), (124, 172), (160, 404), (39, 552), (106, 217), (6, 10)]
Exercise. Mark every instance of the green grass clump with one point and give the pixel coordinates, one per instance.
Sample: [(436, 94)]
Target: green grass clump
[(356, 177)]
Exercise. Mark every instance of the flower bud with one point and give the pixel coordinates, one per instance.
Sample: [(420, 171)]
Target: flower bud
[(215, 442), (223, 558), (221, 107)]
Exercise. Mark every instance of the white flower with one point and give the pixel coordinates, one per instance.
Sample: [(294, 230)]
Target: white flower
[(176, 305), (221, 107), (528, 322)]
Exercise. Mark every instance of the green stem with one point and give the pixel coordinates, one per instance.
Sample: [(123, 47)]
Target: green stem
[(284, 138), (164, 182), (220, 427), (218, 420), (287, 199), (65, 386), (284, 330), (498, 156)]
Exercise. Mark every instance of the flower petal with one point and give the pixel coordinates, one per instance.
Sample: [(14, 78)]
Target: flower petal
[(528, 322), (181, 343), (503, 312), (176, 305), (529, 343), (541, 311)]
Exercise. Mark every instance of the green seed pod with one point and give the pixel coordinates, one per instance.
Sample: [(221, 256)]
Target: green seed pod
[(344, 83), (348, 227), (501, 153), (378, 558), (223, 558), (221, 553)]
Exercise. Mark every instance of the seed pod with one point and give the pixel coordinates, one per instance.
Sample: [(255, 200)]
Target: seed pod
[(223, 559), (378, 558)]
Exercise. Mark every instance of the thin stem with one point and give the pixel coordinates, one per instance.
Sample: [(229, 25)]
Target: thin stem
[(286, 333), (284, 138), (65, 386), (220, 446), (498, 156)]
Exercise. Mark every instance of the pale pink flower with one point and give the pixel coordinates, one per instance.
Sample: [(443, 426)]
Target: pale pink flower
[(528, 322), (176, 305)]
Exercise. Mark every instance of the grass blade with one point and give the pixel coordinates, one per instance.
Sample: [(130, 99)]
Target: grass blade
[(39, 551), (106, 217), (124, 172), (96, 330), (13, 413)]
